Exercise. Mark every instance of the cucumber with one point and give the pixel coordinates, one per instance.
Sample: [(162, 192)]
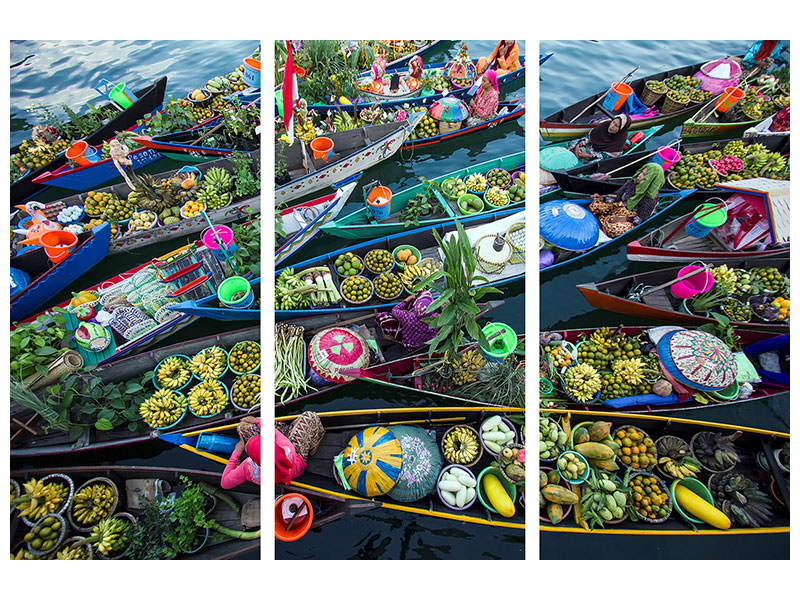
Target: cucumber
[(457, 472), (494, 436), (450, 486), (509, 436), (449, 497), (503, 427), (491, 423), (466, 480), (470, 494), (461, 497), (494, 447)]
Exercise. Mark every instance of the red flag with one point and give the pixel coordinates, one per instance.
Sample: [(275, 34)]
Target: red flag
[(289, 93)]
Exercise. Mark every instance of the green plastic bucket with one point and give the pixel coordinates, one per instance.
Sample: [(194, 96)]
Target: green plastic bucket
[(502, 346), (230, 287), (698, 488), (707, 222), (729, 393), (122, 96)]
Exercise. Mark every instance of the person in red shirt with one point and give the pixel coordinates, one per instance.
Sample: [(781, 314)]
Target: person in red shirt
[(236, 473)]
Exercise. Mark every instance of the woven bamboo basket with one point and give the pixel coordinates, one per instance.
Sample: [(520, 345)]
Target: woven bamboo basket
[(487, 266), (515, 236), (447, 127), (671, 106), (649, 97)]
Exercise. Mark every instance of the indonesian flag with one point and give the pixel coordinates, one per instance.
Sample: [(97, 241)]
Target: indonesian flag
[(289, 93)]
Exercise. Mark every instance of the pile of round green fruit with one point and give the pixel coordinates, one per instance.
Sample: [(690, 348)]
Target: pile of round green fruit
[(736, 310), (348, 264), (437, 80), (769, 278), (387, 286), (699, 95), (427, 127), (552, 439), (454, 187), (657, 87), (694, 170), (572, 466), (496, 196), (246, 391), (142, 220), (498, 178), (682, 82), (44, 534), (469, 203), (476, 183), (516, 193), (678, 96), (96, 202), (118, 210), (245, 357), (379, 261), (357, 289)]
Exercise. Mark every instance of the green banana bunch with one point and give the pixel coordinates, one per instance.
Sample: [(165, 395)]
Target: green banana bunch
[(285, 296), (343, 121), (219, 178), (109, 535)]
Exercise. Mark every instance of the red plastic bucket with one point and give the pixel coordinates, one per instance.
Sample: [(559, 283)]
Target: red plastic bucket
[(617, 95), (58, 244), (284, 512), (729, 98), (82, 153), (696, 284)]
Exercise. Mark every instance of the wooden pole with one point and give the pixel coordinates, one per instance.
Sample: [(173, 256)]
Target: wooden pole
[(603, 96), (676, 142)]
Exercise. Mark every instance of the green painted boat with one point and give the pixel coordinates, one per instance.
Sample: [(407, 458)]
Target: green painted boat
[(706, 124), (360, 225)]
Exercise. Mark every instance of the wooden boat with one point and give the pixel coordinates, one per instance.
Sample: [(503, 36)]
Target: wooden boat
[(613, 295), (149, 100), (209, 307), (514, 110), (222, 513), (543, 56), (360, 224), (24, 444), (582, 179), (423, 240), (402, 61), (341, 426), (565, 124), (566, 257), (47, 278), (747, 339), (300, 223), (748, 445), (360, 102), (707, 123), (126, 240), (392, 358), (354, 151)]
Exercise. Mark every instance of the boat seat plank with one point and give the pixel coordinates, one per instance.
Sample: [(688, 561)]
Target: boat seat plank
[(659, 299)]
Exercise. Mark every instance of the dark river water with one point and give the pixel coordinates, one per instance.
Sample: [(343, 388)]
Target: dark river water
[(580, 68)]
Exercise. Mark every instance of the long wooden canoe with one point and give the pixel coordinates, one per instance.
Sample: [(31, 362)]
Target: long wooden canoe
[(582, 179), (423, 240), (748, 445), (222, 513), (652, 404), (361, 225), (402, 61), (612, 295), (210, 307), (707, 123), (565, 124), (149, 99), (57, 442)]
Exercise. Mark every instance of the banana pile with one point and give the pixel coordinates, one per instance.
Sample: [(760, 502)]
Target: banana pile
[(468, 366), (761, 162), (630, 369), (92, 503), (209, 363), (68, 553), (287, 295), (216, 187), (413, 274), (163, 408), (716, 451), (173, 373), (306, 131), (40, 498), (342, 121), (582, 382), (725, 278), (679, 468), (207, 398), (109, 535), (460, 446)]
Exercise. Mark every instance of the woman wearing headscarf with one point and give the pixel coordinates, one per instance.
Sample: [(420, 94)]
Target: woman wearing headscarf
[(295, 444), (635, 201), (606, 140), (405, 323), (486, 101), (503, 59), (235, 473)]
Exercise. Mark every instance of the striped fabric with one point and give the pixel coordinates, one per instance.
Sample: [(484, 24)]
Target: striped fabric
[(372, 461)]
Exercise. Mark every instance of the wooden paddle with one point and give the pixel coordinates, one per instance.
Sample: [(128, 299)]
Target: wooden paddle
[(649, 291), (633, 162), (623, 80)]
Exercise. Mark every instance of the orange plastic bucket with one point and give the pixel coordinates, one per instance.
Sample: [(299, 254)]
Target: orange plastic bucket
[(322, 148), (728, 99), (299, 72), (252, 72), (617, 95), (80, 152), (58, 244), (380, 202), (285, 508)]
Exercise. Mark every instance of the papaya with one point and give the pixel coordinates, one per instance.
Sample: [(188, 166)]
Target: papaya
[(595, 450), (542, 479), (599, 430), (553, 476), (613, 445), (555, 513), (497, 495), (559, 494), (581, 435), (608, 464)]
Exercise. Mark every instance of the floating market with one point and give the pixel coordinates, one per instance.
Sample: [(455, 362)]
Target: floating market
[(135, 236), (664, 254), (400, 179)]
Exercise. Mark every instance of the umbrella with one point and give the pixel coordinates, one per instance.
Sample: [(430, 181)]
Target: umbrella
[(553, 158), (568, 225), (422, 462), (336, 349), (697, 359), (449, 109), (372, 461)]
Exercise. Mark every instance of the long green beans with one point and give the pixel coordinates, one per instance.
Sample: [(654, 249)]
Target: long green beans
[(290, 377)]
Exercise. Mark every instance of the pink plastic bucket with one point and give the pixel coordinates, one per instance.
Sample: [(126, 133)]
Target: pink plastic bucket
[(666, 157), (210, 241), (696, 284)]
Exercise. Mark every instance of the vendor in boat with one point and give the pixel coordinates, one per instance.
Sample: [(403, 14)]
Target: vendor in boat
[(634, 203), (405, 322), (763, 54), (484, 105), (604, 141), (295, 444), (235, 473), (503, 59)]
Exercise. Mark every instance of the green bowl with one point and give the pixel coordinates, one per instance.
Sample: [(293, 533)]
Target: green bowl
[(509, 487), (414, 251), (698, 488), (470, 196)]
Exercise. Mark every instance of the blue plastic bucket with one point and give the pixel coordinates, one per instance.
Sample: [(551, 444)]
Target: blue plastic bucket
[(617, 96), (707, 221), (252, 72), (216, 443)]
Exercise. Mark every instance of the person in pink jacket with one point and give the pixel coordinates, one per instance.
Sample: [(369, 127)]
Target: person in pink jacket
[(236, 473)]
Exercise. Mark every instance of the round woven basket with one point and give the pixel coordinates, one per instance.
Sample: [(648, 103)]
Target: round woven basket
[(649, 97), (485, 265), (126, 551), (649, 468), (704, 465), (71, 540), (477, 438), (59, 539), (95, 480), (71, 492), (346, 299), (377, 272), (661, 452), (515, 236), (664, 487), (670, 105)]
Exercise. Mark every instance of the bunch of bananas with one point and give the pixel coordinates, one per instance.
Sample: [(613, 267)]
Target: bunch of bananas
[(286, 296), (630, 369), (735, 148), (173, 373), (725, 278), (109, 535), (413, 274), (305, 132), (460, 446), (13, 491), (219, 178), (582, 382), (343, 121), (40, 498), (163, 408), (217, 184), (466, 370), (209, 363), (207, 398), (69, 553), (679, 469), (92, 503), (23, 554)]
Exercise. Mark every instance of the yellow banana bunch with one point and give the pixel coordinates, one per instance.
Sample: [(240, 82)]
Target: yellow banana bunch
[(163, 408), (582, 382), (173, 373), (468, 366), (630, 369), (109, 535), (23, 554), (80, 553), (687, 467), (460, 446), (209, 363), (207, 398), (40, 498), (413, 274), (92, 503)]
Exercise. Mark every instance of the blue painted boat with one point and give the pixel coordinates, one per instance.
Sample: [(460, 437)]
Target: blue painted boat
[(48, 279), (403, 60), (209, 308), (544, 56), (563, 257), (422, 239)]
